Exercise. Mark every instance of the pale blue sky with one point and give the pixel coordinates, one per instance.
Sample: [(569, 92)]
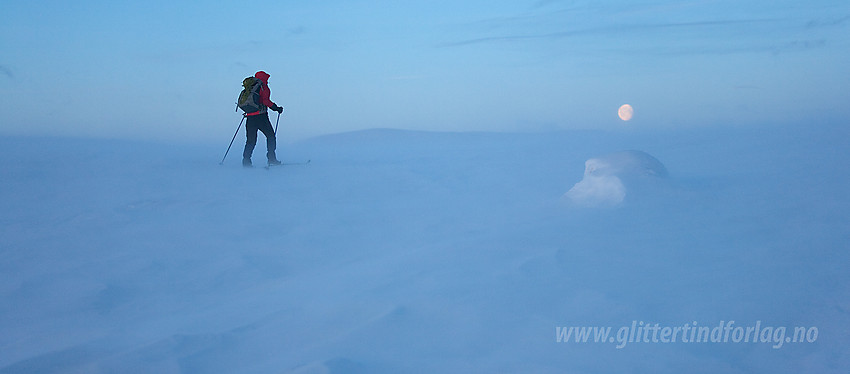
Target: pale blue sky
[(165, 69)]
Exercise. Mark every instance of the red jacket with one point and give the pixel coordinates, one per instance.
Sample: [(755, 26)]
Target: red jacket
[(265, 93)]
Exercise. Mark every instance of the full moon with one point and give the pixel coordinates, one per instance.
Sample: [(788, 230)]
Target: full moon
[(625, 112)]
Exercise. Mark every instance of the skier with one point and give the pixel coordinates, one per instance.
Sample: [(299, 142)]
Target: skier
[(259, 120)]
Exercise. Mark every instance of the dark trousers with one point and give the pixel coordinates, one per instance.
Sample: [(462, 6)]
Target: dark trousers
[(259, 122)]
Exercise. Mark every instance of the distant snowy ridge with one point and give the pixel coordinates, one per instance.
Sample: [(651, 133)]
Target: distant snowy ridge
[(604, 176)]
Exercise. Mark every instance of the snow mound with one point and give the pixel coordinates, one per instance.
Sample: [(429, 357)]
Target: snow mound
[(606, 177)]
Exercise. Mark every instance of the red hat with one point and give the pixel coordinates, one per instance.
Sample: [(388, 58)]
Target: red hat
[(263, 76)]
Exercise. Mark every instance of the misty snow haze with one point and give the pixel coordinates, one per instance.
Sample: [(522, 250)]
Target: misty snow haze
[(474, 201)]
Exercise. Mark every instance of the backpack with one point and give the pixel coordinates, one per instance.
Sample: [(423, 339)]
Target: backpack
[(249, 98)]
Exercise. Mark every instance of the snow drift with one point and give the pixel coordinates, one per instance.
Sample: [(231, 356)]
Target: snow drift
[(411, 252), (606, 177)]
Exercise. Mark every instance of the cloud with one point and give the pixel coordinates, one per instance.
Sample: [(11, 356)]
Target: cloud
[(613, 29), (7, 72), (295, 31), (542, 3), (711, 37), (669, 28), (827, 22)]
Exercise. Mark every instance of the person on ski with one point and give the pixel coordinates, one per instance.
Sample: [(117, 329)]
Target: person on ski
[(259, 120)]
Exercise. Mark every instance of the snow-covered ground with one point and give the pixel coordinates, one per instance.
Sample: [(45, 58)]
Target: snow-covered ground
[(414, 252)]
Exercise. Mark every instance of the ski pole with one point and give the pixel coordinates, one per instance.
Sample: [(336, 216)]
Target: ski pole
[(278, 120), (231, 141)]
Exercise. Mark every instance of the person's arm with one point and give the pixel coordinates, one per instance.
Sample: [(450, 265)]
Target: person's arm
[(265, 95)]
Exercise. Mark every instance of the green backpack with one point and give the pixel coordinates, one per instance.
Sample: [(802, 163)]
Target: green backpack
[(249, 98)]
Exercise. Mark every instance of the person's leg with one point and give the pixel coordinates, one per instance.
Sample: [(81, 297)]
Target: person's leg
[(251, 142), (271, 140)]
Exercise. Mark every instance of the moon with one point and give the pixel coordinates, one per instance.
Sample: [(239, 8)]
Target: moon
[(625, 112)]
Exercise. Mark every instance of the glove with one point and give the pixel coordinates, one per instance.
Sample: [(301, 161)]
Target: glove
[(278, 109)]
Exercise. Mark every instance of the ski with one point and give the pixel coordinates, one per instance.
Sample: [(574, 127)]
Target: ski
[(288, 164)]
